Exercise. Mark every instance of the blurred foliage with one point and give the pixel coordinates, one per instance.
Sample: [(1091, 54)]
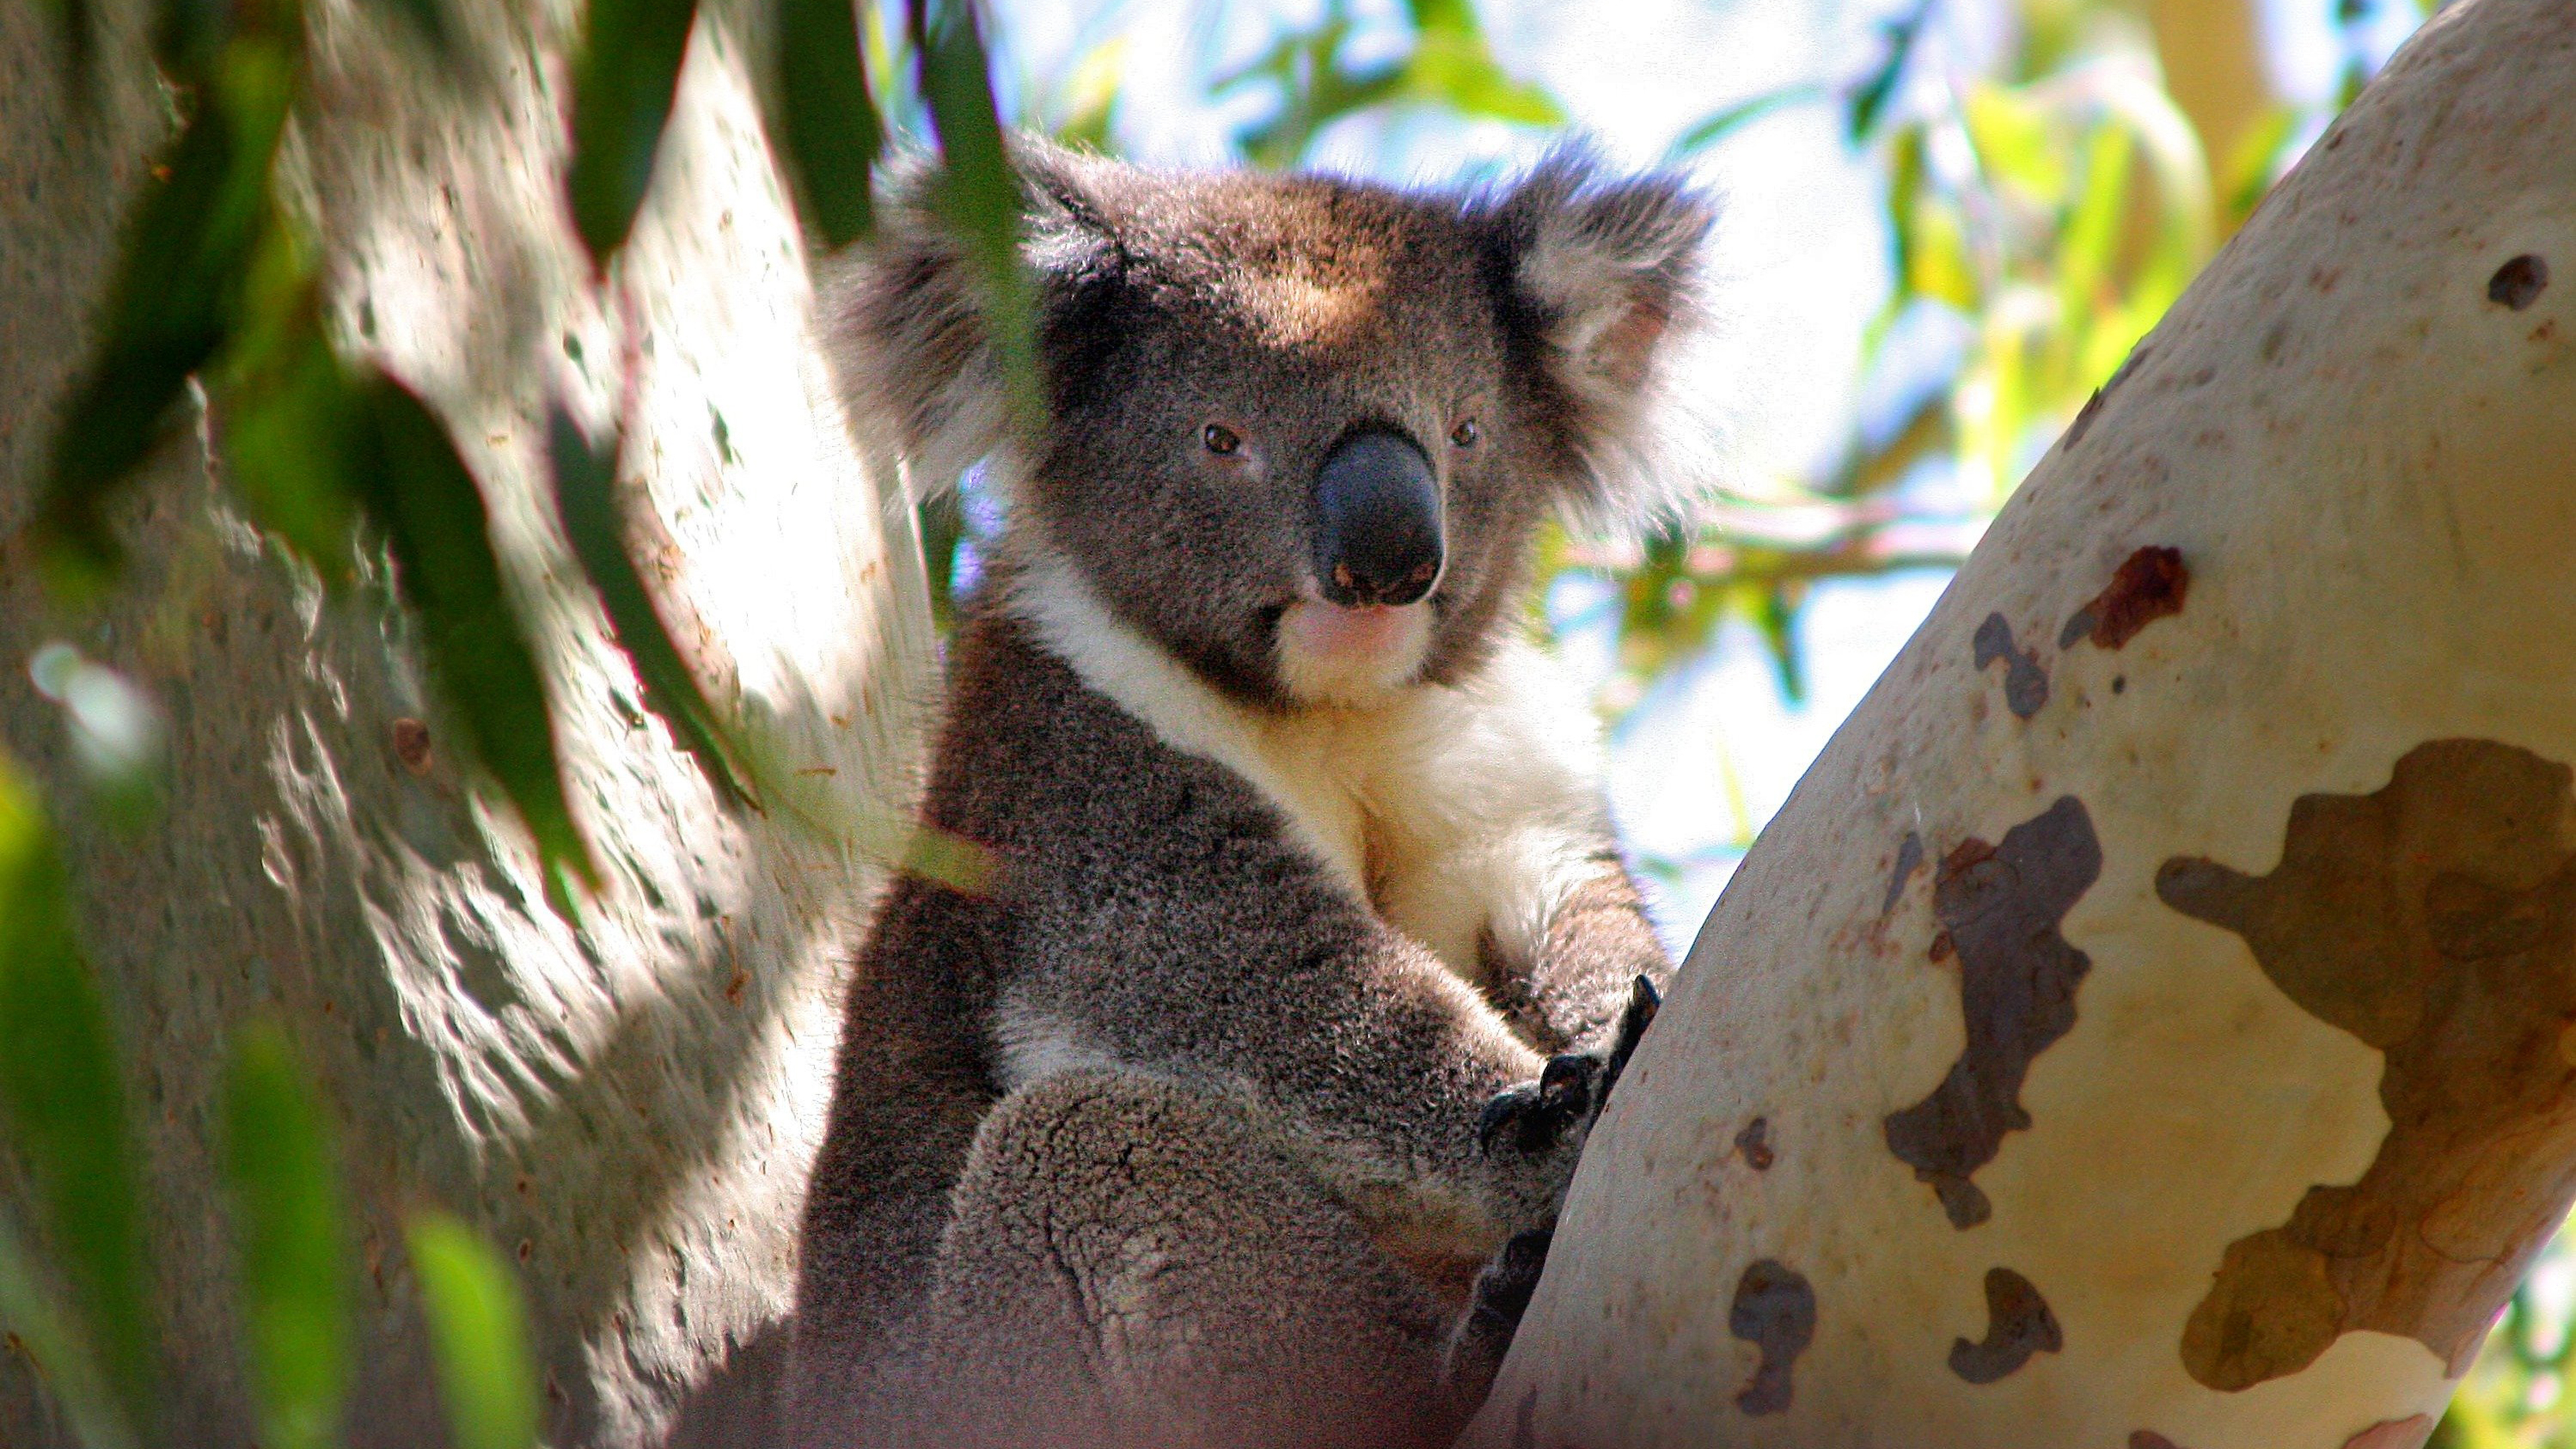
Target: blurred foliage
[(1447, 66), (2516, 1395), (294, 1260), (64, 1105), (478, 1334), (2047, 203), (75, 1282), (216, 285)]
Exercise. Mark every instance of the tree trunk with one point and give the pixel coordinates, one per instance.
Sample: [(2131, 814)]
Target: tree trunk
[(2149, 1023), (627, 1107)]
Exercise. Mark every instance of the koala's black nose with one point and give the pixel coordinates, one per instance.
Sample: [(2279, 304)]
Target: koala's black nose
[(1377, 534)]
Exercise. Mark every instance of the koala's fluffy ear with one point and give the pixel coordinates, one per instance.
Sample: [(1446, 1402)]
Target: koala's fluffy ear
[(902, 313), (1607, 294)]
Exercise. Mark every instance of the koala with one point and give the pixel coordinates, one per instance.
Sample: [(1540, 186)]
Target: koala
[(1237, 1108)]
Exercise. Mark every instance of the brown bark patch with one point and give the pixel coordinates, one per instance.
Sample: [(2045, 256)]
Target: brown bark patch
[(2407, 1433), (2148, 585), (2018, 1324), (2434, 919), (2025, 683), (2518, 283), (411, 745), (1775, 1311), (2000, 906), (1755, 1143)]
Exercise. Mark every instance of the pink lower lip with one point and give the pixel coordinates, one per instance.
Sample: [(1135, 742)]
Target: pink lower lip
[(1331, 629)]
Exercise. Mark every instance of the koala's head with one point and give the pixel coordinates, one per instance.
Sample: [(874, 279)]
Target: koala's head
[(1302, 429)]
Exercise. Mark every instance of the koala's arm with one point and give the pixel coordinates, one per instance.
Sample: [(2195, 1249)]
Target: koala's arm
[(1594, 940), (1212, 950)]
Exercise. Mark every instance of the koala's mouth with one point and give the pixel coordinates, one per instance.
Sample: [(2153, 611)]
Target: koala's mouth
[(1332, 654)]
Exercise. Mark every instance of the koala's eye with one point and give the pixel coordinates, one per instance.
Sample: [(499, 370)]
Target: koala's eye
[(1467, 434), (1220, 440)]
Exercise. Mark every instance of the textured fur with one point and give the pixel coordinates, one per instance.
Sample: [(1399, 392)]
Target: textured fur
[(1192, 1131)]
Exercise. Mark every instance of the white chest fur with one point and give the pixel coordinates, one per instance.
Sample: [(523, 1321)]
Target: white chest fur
[(1453, 810)]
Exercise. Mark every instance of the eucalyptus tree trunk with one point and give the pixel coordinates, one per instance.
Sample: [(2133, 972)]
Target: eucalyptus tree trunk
[(2152, 1022), (626, 1105)]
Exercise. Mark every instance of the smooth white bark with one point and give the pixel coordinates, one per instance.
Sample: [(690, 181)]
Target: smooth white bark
[(630, 1108), (2307, 946)]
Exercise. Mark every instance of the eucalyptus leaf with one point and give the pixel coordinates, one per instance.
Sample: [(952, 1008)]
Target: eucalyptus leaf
[(174, 298), (290, 423), (478, 1334), (1776, 616), (623, 87), (420, 494), (1868, 99), (833, 135), (289, 1240), (65, 1103), (2018, 143), (585, 496), (72, 1373), (1725, 122), (979, 195), (2084, 249)]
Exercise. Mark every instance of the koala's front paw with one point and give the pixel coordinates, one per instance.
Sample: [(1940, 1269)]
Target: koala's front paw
[(1503, 1292), (1537, 1116)]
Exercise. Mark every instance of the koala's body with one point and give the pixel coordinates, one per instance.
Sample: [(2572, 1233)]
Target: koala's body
[(1279, 1021)]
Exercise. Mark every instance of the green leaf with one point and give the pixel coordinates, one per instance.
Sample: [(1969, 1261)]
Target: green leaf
[(1905, 191), (288, 447), (623, 87), (832, 131), (585, 495), (66, 1102), (1776, 615), (2084, 248), (1721, 124), (1937, 263), (79, 1386), (287, 1226), (174, 298), (1088, 99), (1869, 98), (2016, 143), (979, 197), (418, 491), (2249, 169), (1451, 65), (478, 1334), (1445, 17), (1460, 72), (290, 423)]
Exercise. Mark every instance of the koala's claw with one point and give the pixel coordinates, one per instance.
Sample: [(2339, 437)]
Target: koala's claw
[(1643, 1002), (1572, 1090), (1538, 1115)]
